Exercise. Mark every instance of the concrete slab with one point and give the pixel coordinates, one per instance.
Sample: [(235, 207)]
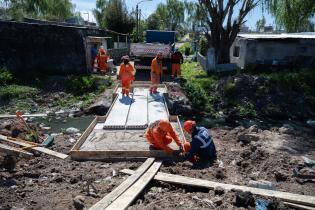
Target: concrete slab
[(138, 114), (156, 107), (120, 140)]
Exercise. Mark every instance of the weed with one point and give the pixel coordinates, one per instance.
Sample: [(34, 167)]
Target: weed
[(17, 91), (6, 77)]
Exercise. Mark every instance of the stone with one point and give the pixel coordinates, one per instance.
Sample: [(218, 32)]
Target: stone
[(72, 130), (78, 202), (253, 129), (247, 138), (281, 176), (286, 129), (218, 201), (220, 174), (244, 199), (74, 180), (219, 191)]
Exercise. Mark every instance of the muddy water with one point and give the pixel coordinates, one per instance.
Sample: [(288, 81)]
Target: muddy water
[(58, 124)]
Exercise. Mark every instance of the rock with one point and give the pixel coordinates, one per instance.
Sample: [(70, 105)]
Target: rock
[(218, 201), (72, 130), (308, 162), (74, 180), (247, 138), (253, 129), (60, 112), (286, 129), (220, 173), (78, 202), (100, 107), (281, 176), (219, 191), (244, 199), (262, 184), (9, 162), (72, 140), (58, 179)]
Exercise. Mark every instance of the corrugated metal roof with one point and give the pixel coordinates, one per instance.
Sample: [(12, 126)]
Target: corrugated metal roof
[(278, 36)]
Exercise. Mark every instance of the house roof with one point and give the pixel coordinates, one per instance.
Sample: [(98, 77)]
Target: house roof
[(306, 35)]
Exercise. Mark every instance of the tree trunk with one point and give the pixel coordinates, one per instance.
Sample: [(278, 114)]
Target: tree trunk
[(223, 52)]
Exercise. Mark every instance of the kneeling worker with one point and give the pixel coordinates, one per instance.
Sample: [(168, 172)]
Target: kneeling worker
[(160, 134), (201, 149)]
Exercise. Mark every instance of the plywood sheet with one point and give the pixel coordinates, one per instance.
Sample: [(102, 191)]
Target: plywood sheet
[(156, 107), (119, 112), (138, 114)]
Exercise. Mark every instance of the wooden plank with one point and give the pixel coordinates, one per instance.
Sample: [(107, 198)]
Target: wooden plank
[(182, 180), (24, 115), (123, 201), (14, 151), (112, 196), (31, 147), (85, 134), (299, 206)]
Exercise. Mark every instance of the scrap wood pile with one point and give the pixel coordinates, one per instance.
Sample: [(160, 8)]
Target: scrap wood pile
[(126, 193)]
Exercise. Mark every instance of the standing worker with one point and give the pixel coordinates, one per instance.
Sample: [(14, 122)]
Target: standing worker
[(160, 134), (126, 74), (102, 58), (176, 59), (156, 72), (201, 150), (93, 55)]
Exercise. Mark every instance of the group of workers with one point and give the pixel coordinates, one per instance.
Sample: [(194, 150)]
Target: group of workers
[(160, 134), (200, 151)]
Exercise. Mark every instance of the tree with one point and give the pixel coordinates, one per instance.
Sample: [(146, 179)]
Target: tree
[(223, 29), (260, 24), (113, 15), (293, 15), (153, 22), (194, 16), (42, 9)]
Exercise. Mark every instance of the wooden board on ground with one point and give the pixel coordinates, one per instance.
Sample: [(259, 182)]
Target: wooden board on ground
[(113, 195), (182, 180), (31, 147), (123, 201), (299, 206), (14, 151), (24, 115)]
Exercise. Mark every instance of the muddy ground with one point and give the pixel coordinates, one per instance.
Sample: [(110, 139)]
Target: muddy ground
[(245, 154), (45, 182)]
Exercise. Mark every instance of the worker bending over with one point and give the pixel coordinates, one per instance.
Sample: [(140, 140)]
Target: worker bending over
[(160, 134), (201, 149), (126, 75), (102, 59), (156, 72), (176, 59)]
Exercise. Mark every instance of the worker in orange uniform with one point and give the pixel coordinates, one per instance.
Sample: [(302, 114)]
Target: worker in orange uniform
[(102, 59), (160, 134), (126, 74), (201, 150), (156, 72), (176, 60)]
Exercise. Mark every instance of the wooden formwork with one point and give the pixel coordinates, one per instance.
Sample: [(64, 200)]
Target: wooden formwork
[(107, 148)]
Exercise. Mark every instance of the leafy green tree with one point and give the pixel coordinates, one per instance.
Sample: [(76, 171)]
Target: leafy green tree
[(43, 9), (224, 19), (113, 15), (194, 15), (153, 22), (293, 15)]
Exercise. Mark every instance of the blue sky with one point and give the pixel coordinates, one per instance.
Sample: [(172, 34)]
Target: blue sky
[(148, 8)]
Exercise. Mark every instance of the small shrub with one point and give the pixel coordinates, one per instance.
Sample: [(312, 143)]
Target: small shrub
[(186, 49), (16, 91), (230, 90), (81, 84), (197, 95), (203, 46), (246, 110), (6, 77)]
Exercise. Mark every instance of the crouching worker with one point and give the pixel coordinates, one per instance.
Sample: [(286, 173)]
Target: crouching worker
[(160, 134), (201, 150), (126, 72)]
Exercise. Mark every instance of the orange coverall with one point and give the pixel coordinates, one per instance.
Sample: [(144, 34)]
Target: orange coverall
[(156, 71), (160, 134), (126, 76), (102, 58)]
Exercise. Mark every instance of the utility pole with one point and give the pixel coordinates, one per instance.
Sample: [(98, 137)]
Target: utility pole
[(137, 26)]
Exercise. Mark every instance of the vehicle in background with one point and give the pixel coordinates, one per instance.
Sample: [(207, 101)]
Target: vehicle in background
[(156, 41)]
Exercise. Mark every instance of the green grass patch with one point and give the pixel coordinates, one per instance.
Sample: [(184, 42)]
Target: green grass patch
[(6, 77), (199, 87), (17, 91), (186, 49)]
